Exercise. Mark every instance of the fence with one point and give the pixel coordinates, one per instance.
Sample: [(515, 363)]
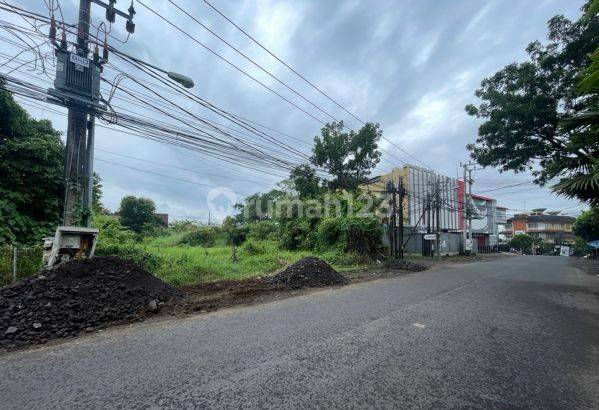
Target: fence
[(493, 248), (18, 262)]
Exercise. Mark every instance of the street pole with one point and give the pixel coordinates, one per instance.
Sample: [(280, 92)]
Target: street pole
[(428, 222), (88, 176), (470, 196), (76, 132), (438, 209), (394, 221), (464, 209), (401, 197)]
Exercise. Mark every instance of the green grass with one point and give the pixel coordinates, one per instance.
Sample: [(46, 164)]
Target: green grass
[(189, 265), (185, 265)]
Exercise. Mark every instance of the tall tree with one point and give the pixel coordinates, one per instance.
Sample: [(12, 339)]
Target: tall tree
[(137, 214), (348, 156), (31, 174), (524, 106), (587, 225), (97, 205), (305, 182)]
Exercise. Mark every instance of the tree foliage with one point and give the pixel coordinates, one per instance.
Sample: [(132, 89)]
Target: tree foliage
[(97, 206), (587, 225), (348, 156), (31, 174), (137, 214), (305, 182), (522, 242), (524, 106)]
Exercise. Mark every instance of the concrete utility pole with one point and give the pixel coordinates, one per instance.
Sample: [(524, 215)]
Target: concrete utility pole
[(466, 217), (78, 90), (75, 159), (470, 196), (438, 218), (401, 191), (428, 221)]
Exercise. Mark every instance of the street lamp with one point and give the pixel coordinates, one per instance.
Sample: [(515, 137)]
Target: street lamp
[(180, 78)]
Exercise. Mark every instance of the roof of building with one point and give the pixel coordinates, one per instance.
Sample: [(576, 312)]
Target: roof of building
[(544, 218), (485, 198), (502, 207)]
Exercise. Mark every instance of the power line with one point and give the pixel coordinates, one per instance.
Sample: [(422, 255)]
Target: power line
[(178, 28), (304, 78), (507, 186), (164, 176), (283, 62), (177, 167), (241, 53), (230, 63)]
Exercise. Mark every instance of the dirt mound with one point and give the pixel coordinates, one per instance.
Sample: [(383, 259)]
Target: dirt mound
[(309, 272), (405, 265), (76, 297)]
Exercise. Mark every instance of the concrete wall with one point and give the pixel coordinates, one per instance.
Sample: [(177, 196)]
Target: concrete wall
[(451, 242)]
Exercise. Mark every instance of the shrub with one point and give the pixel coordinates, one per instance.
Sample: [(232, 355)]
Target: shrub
[(234, 234), (262, 230), (135, 253), (580, 247), (203, 236), (253, 248), (329, 233), (111, 230), (522, 242), (182, 226), (361, 235), (297, 234)]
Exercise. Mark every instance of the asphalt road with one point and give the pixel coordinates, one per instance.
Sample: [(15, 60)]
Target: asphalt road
[(514, 332)]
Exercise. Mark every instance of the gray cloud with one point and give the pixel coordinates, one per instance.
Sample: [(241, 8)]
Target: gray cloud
[(409, 65)]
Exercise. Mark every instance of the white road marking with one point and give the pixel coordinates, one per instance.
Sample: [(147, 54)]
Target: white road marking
[(419, 325)]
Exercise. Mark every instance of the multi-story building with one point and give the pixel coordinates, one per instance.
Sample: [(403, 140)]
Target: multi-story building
[(550, 226), (424, 187), (484, 224)]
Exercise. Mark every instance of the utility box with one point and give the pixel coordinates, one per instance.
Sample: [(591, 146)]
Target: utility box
[(69, 242), (77, 76)]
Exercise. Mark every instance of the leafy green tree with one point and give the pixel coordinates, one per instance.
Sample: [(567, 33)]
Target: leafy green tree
[(587, 225), (580, 247), (348, 156), (258, 207), (137, 214), (97, 206), (524, 106), (305, 181), (522, 242), (31, 174)]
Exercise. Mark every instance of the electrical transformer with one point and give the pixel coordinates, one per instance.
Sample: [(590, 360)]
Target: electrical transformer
[(77, 77), (68, 243)]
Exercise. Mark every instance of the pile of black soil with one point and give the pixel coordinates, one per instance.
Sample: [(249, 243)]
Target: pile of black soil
[(76, 297), (405, 266), (308, 272)]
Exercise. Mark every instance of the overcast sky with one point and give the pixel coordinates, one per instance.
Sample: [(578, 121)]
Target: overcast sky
[(411, 66)]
